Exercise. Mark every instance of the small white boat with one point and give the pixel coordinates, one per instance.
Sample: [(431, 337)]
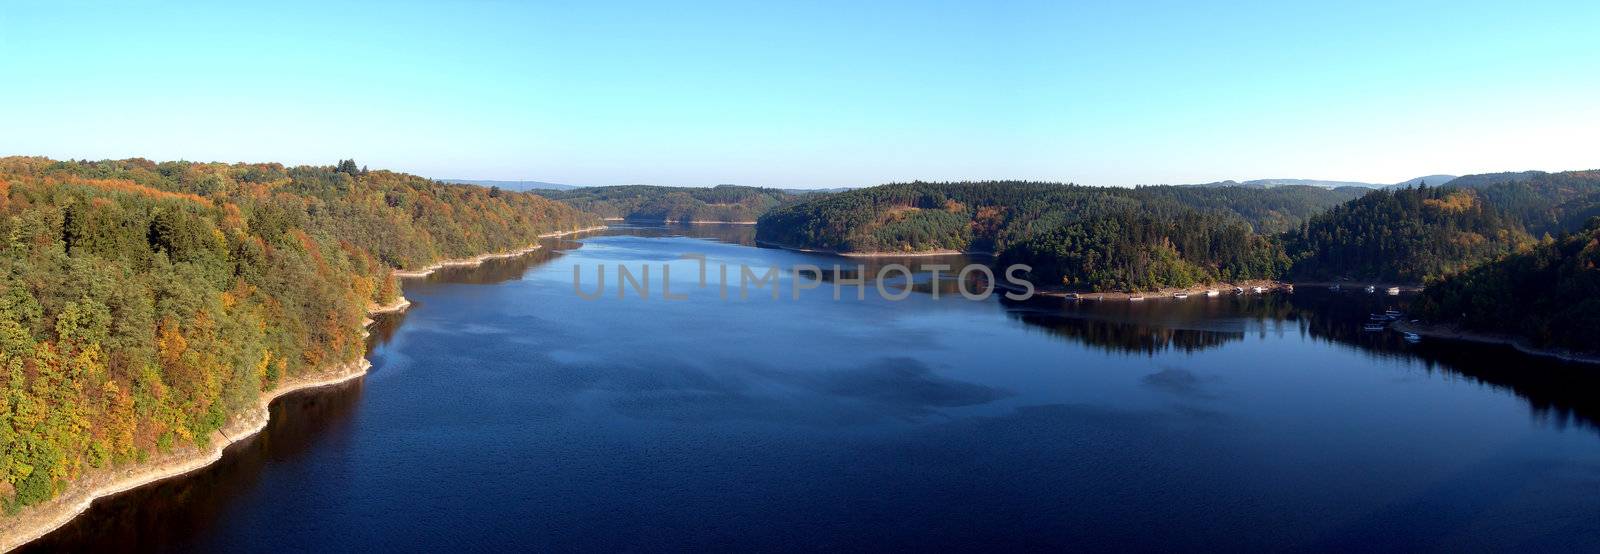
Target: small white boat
[(1392, 313), (1212, 292), (1334, 288), (1135, 298), (1371, 289), (1394, 291), (1238, 290), (1072, 296), (1258, 290), (1413, 338), (1372, 327), (1181, 295)]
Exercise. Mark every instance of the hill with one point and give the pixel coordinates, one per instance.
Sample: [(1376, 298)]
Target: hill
[(724, 203), (1544, 202), (145, 305), (1404, 235), (511, 185), (1097, 238), (1548, 296)]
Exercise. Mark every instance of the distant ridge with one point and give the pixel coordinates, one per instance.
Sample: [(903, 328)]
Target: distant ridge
[(512, 185), (1432, 180)]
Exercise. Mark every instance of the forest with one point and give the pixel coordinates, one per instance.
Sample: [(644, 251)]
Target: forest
[(721, 203), (1407, 235), (1549, 294), (1090, 238), (1146, 238), (144, 304)]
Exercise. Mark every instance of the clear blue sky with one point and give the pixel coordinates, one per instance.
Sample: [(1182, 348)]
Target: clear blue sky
[(814, 93)]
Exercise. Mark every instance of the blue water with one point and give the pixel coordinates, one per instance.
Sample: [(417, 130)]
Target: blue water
[(505, 412)]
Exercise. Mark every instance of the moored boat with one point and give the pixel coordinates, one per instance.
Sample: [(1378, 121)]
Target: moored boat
[(1181, 295), (1212, 292), (1135, 298), (1372, 327), (1394, 291)]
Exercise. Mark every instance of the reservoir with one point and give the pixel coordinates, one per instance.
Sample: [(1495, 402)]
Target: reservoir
[(504, 411)]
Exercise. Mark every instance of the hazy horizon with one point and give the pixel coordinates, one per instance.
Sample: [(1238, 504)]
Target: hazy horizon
[(817, 95)]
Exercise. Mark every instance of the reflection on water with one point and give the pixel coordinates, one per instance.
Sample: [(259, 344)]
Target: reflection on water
[(516, 416)]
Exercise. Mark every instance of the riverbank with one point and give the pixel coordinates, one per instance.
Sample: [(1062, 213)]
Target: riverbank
[(1196, 291), (1449, 331), (677, 221), (479, 259), (1358, 285), (39, 520)]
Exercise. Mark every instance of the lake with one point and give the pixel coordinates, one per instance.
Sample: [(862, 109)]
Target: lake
[(506, 412)]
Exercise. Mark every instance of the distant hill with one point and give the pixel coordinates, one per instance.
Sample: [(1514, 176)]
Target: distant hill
[(512, 185), (1432, 180), (1306, 182), (729, 203), (1483, 179)]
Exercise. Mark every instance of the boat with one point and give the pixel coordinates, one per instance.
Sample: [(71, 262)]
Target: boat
[(1135, 298), (1393, 314), (1372, 327), (1371, 289), (1394, 291), (1413, 338), (1288, 288), (1377, 317), (1212, 292), (1258, 290), (1334, 288), (1072, 296), (1181, 295), (1238, 290)]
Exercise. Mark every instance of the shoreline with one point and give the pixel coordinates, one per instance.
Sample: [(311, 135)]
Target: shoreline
[(36, 521), (1450, 331), (39, 520), (479, 259), (1223, 289), (678, 221)]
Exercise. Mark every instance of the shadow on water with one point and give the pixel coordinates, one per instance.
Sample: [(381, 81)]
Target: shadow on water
[(1557, 392)]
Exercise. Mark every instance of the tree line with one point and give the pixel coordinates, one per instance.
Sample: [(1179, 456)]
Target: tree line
[(727, 203)]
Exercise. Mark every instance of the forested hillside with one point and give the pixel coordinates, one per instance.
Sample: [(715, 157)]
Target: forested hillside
[(1404, 235), (144, 304), (1097, 238), (1545, 202), (1549, 295), (725, 203)]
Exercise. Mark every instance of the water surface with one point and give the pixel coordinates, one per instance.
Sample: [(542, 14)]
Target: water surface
[(504, 412)]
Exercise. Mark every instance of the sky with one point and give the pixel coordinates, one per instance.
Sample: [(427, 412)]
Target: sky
[(814, 94)]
